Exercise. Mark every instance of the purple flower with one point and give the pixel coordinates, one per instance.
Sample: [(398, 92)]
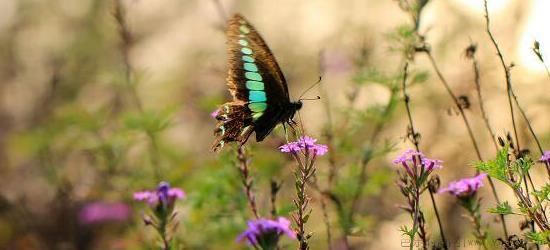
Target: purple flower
[(545, 157), (411, 159), (304, 143), (464, 187), (164, 195), (98, 212), (265, 233), (215, 113)]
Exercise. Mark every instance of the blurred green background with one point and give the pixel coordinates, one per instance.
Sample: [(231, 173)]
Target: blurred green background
[(102, 98)]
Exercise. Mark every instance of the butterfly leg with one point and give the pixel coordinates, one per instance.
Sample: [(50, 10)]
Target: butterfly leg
[(292, 124), (286, 132)]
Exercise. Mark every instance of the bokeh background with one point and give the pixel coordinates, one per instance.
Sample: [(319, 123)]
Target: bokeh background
[(94, 107)]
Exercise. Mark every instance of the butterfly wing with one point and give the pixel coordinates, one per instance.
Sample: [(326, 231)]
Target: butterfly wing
[(258, 87), (249, 54)]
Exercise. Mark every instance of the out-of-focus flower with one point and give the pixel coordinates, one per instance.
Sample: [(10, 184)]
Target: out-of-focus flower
[(161, 201), (545, 157), (304, 143), (215, 113), (265, 233), (411, 159), (164, 195), (99, 212), (465, 187), (336, 62)]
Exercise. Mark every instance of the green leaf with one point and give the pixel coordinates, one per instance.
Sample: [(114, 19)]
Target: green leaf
[(496, 168), (502, 208), (544, 193), (540, 238), (420, 77)]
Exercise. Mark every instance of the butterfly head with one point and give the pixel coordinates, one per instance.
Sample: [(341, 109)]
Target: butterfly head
[(297, 105)]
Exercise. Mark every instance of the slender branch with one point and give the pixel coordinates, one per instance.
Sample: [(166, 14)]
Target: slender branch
[(274, 187), (126, 43), (304, 171), (456, 101), (484, 114), (438, 219), (411, 134), (324, 209), (536, 50), (511, 94), (466, 123), (247, 181), (505, 68), (531, 130)]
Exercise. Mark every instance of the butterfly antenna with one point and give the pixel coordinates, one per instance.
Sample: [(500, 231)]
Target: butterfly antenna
[(311, 87), (301, 125), (310, 99)]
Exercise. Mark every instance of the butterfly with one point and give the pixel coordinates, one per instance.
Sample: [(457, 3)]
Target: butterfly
[(260, 93)]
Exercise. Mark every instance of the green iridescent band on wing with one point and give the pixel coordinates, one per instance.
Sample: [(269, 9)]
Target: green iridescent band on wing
[(250, 67), (248, 59), (253, 76), (254, 85), (257, 107), (257, 96)]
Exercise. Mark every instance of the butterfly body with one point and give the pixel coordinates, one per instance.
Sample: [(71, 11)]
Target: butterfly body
[(259, 89)]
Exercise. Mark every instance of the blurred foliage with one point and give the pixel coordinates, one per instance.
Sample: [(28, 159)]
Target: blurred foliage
[(84, 119)]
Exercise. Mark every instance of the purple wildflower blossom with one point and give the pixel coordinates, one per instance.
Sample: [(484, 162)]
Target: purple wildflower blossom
[(304, 143), (98, 212), (164, 195), (410, 159), (265, 233), (465, 187), (545, 157), (215, 113)]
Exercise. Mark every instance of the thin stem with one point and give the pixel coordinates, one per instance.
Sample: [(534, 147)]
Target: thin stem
[(510, 92), (412, 135), (126, 43), (303, 173), (531, 130), (477, 81), (154, 155), (247, 180), (468, 127), (275, 187), (484, 114), (505, 68), (438, 220), (416, 213), (456, 102), (324, 210)]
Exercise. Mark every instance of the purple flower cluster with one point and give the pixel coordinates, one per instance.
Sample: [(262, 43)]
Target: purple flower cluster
[(465, 187), (265, 233), (304, 143), (545, 157), (99, 212), (164, 195), (411, 159)]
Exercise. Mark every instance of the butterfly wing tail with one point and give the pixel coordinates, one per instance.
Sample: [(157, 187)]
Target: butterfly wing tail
[(234, 125)]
